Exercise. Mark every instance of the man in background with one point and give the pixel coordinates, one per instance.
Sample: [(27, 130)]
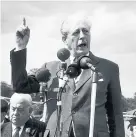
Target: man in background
[(22, 124)]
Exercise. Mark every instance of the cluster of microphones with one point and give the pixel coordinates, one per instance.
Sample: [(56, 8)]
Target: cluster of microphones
[(73, 70)]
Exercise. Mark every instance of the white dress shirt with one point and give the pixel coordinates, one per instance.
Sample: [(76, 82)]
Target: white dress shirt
[(76, 81), (71, 61), (14, 130)]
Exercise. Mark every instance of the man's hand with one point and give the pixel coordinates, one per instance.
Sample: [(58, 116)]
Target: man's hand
[(22, 36)]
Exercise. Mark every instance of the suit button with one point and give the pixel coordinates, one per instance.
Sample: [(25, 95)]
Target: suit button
[(75, 94)]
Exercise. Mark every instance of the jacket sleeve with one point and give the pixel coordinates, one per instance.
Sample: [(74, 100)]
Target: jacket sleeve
[(114, 106), (36, 127), (35, 124), (22, 83)]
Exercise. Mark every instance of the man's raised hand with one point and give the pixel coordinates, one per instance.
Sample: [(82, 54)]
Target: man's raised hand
[(22, 36)]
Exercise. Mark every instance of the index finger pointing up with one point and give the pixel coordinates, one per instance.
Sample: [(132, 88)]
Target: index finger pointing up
[(24, 22)]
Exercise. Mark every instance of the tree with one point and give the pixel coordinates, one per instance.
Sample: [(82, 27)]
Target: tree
[(129, 103), (6, 89), (125, 104)]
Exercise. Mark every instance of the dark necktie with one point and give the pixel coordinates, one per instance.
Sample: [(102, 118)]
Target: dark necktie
[(16, 134)]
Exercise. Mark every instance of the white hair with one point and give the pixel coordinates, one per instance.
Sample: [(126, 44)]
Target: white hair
[(26, 98), (73, 19)]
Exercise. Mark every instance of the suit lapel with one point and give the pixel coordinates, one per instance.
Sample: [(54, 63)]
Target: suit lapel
[(7, 130), (85, 75), (71, 84)]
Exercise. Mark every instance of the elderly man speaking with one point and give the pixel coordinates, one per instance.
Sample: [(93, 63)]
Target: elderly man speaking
[(22, 125), (76, 106)]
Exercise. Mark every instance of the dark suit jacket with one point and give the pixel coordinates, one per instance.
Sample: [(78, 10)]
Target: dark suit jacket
[(32, 128), (6, 120), (23, 83), (76, 101)]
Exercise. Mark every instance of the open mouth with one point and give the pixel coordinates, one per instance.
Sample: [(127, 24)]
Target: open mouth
[(82, 45)]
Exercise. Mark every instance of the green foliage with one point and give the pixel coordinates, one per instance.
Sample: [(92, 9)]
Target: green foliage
[(6, 89), (129, 103)]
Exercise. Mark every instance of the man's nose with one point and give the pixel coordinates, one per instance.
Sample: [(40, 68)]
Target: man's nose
[(81, 35), (16, 112)]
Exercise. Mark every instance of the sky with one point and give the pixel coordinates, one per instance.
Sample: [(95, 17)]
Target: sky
[(113, 33)]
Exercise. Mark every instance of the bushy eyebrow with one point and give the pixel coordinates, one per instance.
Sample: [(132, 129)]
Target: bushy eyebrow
[(83, 29), (17, 107)]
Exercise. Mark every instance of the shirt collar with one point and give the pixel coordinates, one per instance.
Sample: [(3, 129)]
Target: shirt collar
[(72, 58), (14, 127)]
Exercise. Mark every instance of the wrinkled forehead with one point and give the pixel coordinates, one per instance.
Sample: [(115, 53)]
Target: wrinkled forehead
[(73, 24), (80, 25), (19, 103), (24, 99)]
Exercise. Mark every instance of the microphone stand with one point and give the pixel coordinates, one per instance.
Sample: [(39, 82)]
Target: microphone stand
[(93, 100), (59, 125), (62, 83), (71, 72), (42, 91)]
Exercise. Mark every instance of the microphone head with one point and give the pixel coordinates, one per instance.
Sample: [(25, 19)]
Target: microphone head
[(82, 62), (43, 75), (63, 54), (63, 65), (73, 70)]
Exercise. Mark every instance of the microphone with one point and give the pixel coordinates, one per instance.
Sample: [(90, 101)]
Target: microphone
[(85, 62), (65, 73), (43, 75), (73, 70), (63, 54)]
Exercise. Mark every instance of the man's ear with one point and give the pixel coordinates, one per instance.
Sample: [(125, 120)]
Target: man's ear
[(64, 39), (30, 110)]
